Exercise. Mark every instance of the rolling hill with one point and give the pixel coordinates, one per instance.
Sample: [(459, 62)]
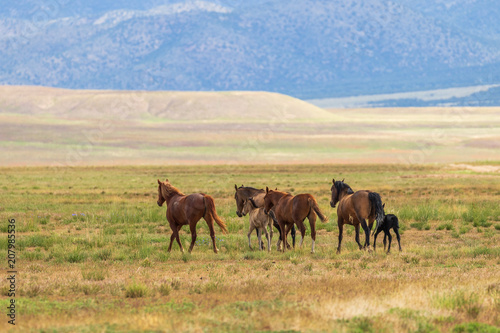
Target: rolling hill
[(62, 127)]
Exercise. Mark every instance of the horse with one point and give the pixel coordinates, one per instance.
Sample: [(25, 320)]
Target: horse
[(258, 220), (245, 192), (390, 222), (290, 210), (355, 208), (188, 210)]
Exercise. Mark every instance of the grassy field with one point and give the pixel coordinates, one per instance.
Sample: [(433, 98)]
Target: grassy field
[(91, 250)]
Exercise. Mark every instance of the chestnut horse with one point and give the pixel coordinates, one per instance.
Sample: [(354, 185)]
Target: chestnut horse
[(355, 208), (188, 209), (290, 210), (245, 192)]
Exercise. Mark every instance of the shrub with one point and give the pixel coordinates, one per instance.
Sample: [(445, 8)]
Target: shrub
[(136, 290), (475, 328), (165, 289), (76, 256), (103, 254), (447, 226), (94, 275), (460, 301)]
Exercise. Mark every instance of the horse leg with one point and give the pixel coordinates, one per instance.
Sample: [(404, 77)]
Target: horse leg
[(396, 231), (302, 229), (259, 236), (385, 237), (340, 223), (210, 223), (293, 236), (268, 240), (283, 234), (192, 227), (270, 225), (390, 241), (249, 233), (312, 223), (367, 232), (356, 227), (260, 240), (177, 238), (288, 227), (172, 237), (375, 239), (175, 228), (277, 226)]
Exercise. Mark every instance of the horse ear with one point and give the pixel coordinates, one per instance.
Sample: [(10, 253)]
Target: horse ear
[(159, 182), (267, 189), (343, 180), (383, 205), (333, 180), (236, 187), (166, 180)]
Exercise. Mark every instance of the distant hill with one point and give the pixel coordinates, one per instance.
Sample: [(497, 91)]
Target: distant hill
[(61, 127), (160, 106), (308, 49)]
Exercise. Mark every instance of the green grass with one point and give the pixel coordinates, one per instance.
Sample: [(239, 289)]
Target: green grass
[(110, 259), (136, 290)]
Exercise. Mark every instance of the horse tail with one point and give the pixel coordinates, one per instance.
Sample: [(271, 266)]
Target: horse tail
[(376, 203), (210, 209), (314, 205)]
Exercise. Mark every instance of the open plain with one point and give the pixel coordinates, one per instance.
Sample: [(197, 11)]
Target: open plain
[(92, 253)]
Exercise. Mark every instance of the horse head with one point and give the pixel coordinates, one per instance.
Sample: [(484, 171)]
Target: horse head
[(248, 206), (161, 199), (268, 201), (239, 201), (339, 189)]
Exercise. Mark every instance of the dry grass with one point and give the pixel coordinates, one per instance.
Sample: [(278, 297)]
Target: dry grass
[(107, 269)]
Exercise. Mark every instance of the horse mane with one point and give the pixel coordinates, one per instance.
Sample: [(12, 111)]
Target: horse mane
[(340, 186), (170, 189), (249, 188), (280, 192)]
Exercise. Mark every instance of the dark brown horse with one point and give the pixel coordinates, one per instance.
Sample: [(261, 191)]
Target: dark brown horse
[(290, 210), (188, 210), (245, 192), (355, 208)]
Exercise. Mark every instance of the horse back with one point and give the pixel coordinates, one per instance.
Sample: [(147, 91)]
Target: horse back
[(187, 207), (354, 205), (361, 204)]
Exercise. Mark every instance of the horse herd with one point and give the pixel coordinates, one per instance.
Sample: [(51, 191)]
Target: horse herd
[(281, 209)]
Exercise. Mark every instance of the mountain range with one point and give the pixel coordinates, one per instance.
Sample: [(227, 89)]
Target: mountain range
[(309, 49)]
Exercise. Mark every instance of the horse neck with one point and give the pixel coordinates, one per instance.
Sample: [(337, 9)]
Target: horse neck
[(168, 196), (276, 196), (343, 195), (248, 192)]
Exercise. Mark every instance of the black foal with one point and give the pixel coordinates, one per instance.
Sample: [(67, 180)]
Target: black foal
[(390, 222)]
